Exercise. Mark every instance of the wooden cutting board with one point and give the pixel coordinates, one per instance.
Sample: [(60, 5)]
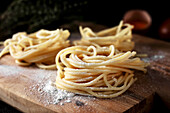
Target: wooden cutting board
[(27, 88)]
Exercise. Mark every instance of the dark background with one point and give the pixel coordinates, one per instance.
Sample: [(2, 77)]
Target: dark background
[(32, 15)]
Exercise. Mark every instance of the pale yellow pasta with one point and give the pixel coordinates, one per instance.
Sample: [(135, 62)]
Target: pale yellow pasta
[(40, 47), (100, 64), (120, 36), (97, 71)]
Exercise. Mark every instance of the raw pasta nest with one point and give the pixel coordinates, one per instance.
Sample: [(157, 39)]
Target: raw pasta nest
[(103, 72), (40, 47)]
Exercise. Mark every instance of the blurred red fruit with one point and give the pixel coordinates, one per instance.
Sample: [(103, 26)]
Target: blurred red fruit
[(139, 18), (164, 30)]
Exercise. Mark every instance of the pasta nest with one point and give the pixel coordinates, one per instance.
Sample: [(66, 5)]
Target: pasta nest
[(120, 36), (103, 72), (40, 47)]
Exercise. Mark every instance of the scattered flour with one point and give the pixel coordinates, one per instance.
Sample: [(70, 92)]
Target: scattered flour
[(6, 70), (153, 58), (49, 94), (42, 83), (33, 74)]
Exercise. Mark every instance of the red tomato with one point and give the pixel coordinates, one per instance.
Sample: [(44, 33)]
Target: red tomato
[(139, 18), (164, 30)]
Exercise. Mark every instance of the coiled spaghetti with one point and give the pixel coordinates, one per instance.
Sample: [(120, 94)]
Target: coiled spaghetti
[(40, 47), (120, 36), (100, 64), (103, 72)]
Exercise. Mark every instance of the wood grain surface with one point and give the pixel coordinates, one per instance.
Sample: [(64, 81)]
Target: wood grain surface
[(19, 86)]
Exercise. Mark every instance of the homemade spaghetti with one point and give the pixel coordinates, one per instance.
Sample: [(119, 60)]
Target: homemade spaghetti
[(103, 72), (120, 36), (100, 64), (40, 47)]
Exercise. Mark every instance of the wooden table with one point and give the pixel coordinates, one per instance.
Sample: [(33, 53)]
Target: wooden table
[(21, 87)]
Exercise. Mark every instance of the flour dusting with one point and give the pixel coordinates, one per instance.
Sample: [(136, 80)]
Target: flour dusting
[(49, 94), (41, 84), (153, 58), (6, 70)]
